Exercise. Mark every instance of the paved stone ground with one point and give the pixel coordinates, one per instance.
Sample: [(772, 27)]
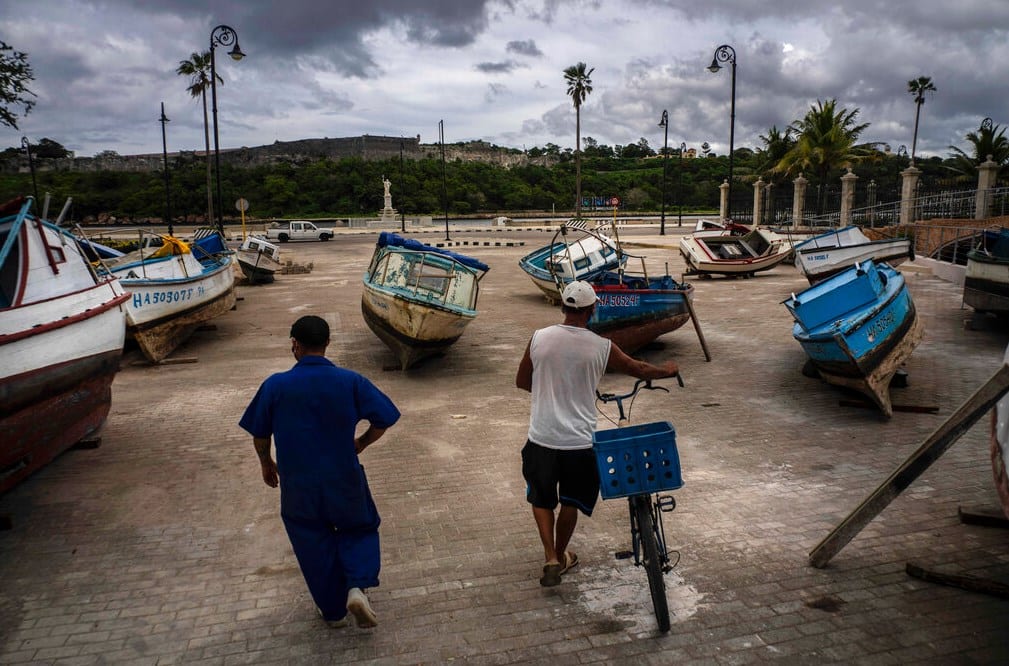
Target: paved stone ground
[(164, 546)]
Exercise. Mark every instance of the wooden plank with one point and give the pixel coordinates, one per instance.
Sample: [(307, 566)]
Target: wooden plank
[(969, 583), (697, 327), (944, 436), (983, 517)]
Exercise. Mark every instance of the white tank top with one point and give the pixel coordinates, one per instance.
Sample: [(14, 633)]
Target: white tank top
[(568, 363)]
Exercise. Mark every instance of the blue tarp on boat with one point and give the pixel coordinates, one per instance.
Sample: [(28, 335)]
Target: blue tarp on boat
[(387, 238)]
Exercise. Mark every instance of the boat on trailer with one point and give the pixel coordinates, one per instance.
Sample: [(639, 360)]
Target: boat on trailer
[(62, 329), (419, 299), (857, 328), (725, 253), (829, 253), (175, 287), (576, 252)]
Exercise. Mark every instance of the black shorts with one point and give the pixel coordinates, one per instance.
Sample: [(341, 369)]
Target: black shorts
[(571, 475)]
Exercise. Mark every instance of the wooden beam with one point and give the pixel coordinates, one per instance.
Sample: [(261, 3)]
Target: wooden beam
[(944, 436), (697, 327)]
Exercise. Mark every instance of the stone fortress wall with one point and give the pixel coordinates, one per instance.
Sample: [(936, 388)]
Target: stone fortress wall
[(366, 147)]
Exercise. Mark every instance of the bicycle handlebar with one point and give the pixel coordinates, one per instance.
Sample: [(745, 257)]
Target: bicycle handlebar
[(638, 385)]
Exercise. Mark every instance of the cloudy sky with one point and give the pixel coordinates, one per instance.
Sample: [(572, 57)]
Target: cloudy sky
[(493, 69)]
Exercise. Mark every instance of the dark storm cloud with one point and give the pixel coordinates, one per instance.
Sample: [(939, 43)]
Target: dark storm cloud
[(497, 67), (526, 47), (335, 32)]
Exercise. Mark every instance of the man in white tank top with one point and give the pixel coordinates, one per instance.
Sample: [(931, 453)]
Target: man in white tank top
[(562, 367)]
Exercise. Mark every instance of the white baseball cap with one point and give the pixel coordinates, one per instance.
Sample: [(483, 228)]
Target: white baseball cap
[(579, 294)]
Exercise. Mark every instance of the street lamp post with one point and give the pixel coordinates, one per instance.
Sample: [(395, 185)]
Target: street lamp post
[(726, 53), (31, 167), (164, 152), (679, 185), (664, 123), (222, 35), (444, 176)]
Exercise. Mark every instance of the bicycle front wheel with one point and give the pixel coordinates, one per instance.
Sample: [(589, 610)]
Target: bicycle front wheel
[(652, 553)]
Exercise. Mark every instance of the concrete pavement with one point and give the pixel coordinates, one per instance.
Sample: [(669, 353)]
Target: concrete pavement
[(164, 546)]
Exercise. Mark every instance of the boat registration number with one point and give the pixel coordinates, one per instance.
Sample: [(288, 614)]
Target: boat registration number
[(171, 296), (881, 325), (620, 300)]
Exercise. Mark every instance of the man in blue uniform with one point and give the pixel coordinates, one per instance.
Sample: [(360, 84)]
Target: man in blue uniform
[(312, 412)]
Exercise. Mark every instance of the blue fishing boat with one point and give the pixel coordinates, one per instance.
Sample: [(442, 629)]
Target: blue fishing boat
[(635, 310), (419, 299), (575, 253), (857, 328)]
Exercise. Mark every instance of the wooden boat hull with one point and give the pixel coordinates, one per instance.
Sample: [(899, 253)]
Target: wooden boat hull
[(61, 340), (418, 299), (858, 329), (257, 267), (634, 314), (163, 313), (413, 331), (986, 283), (727, 254), (72, 406)]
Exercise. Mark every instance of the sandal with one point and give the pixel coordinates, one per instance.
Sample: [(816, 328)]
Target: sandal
[(551, 575), (570, 562)]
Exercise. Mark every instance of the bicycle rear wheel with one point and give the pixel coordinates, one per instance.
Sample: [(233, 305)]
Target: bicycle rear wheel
[(648, 534)]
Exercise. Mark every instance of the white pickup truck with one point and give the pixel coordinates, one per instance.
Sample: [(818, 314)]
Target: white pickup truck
[(297, 230)]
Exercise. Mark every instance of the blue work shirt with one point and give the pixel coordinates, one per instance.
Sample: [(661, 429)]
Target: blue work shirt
[(312, 411)]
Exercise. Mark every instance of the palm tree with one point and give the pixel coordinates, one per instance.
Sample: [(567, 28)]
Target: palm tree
[(197, 68), (579, 87), (776, 146), (989, 139), (918, 87), (827, 138)]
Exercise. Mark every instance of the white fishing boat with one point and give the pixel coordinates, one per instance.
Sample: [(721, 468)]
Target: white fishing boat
[(830, 253), (725, 253), (418, 299), (62, 328), (173, 292), (259, 260), (575, 253)]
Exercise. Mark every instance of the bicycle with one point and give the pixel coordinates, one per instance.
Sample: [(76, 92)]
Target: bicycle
[(637, 462)]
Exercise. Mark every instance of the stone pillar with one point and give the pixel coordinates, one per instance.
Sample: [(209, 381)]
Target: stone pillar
[(768, 215), (758, 189), (987, 172), (908, 189), (847, 197), (798, 200), (723, 202)]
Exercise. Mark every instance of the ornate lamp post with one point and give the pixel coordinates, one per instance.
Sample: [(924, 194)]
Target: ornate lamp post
[(664, 122), (679, 185), (726, 53), (164, 152), (31, 166), (222, 35)]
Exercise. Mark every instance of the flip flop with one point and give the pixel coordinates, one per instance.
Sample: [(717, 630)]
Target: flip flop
[(551, 575), (570, 562)]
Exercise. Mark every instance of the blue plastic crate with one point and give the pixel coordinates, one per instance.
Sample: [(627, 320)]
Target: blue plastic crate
[(637, 459)]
